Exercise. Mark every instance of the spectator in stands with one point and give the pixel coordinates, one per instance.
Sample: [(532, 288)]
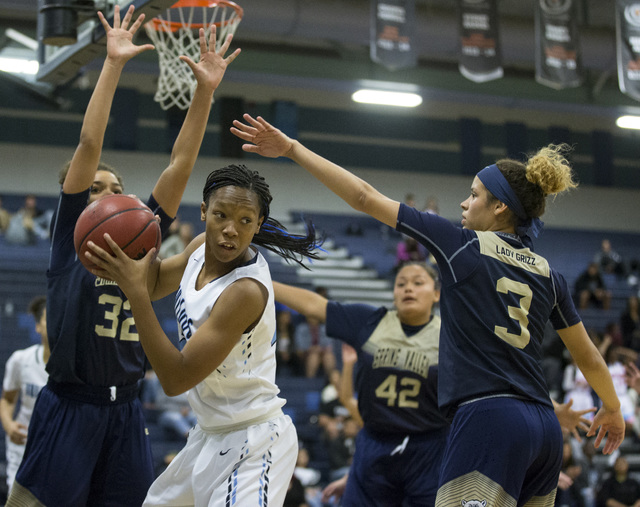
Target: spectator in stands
[(180, 235), (312, 345), (29, 223), (432, 206), (174, 412), (619, 490), (342, 447), (609, 260), (284, 343), (24, 376), (577, 388), (630, 324), (553, 361), (591, 289), (618, 374), (5, 217), (569, 492), (632, 378), (409, 250), (331, 414), (295, 496)]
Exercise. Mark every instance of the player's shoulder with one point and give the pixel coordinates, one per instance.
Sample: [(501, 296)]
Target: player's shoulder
[(20, 355)]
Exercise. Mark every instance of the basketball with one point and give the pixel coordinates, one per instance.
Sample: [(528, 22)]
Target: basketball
[(129, 222)]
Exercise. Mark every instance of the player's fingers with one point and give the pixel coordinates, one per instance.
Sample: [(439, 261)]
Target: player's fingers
[(576, 435), (225, 45), (599, 437), (250, 148), (127, 17), (251, 120), (116, 16), (263, 123), (138, 22), (244, 127), (242, 135), (203, 41), (113, 245), (232, 56), (103, 20)]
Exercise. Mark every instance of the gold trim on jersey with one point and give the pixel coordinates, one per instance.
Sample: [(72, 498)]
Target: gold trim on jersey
[(22, 497), (494, 246), (392, 348), (473, 490)]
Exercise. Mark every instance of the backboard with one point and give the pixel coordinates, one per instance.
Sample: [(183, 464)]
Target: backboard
[(60, 64)]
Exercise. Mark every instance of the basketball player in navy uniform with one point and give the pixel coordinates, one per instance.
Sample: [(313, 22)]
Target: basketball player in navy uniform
[(87, 443), (399, 449), (505, 443), (243, 450)]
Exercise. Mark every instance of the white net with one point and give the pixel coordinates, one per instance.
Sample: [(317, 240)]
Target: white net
[(175, 33)]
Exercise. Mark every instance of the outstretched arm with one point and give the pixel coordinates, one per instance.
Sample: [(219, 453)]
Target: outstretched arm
[(268, 141), (609, 418), (306, 302), (208, 72), (120, 49)]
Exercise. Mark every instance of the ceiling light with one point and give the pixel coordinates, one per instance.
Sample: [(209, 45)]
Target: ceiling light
[(18, 66), (385, 98), (628, 122)]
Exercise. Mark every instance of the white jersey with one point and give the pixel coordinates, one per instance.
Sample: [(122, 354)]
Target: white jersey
[(25, 372), (242, 390)]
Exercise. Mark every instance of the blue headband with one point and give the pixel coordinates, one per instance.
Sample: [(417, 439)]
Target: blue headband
[(495, 182)]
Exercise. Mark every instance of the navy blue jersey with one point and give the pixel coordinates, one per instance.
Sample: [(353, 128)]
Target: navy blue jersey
[(497, 296), (92, 334), (397, 371)]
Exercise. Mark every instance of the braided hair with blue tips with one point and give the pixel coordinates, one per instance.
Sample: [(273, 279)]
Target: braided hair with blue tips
[(272, 234)]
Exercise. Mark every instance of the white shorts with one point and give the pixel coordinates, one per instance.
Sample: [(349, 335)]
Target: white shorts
[(249, 467), (14, 458)]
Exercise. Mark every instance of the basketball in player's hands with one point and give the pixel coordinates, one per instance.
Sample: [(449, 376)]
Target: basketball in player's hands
[(129, 222)]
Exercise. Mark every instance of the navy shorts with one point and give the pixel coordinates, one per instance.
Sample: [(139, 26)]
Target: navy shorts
[(81, 454), (504, 451), (395, 470)]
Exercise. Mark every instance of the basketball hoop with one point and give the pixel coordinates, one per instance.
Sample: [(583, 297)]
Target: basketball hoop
[(175, 33)]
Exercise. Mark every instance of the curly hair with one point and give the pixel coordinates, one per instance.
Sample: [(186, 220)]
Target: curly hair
[(547, 172)]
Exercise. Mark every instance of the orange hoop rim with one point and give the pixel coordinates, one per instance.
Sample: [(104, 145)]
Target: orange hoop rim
[(161, 25)]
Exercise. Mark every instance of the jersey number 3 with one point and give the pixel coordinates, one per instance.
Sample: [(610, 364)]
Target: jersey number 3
[(518, 313)]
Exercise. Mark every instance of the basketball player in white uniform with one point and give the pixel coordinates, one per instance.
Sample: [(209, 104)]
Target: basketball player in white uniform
[(24, 376), (243, 449)]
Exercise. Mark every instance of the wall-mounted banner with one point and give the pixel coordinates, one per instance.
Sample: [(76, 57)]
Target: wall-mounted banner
[(480, 58), (558, 63), (392, 31), (628, 47)]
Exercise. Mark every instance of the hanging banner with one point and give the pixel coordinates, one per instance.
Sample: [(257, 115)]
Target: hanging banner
[(480, 58), (628, 47), (558, 62), (392, 31)]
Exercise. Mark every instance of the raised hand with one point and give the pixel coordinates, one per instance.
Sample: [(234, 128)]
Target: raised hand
[(212, 65), (120, 46), (266, 140)]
